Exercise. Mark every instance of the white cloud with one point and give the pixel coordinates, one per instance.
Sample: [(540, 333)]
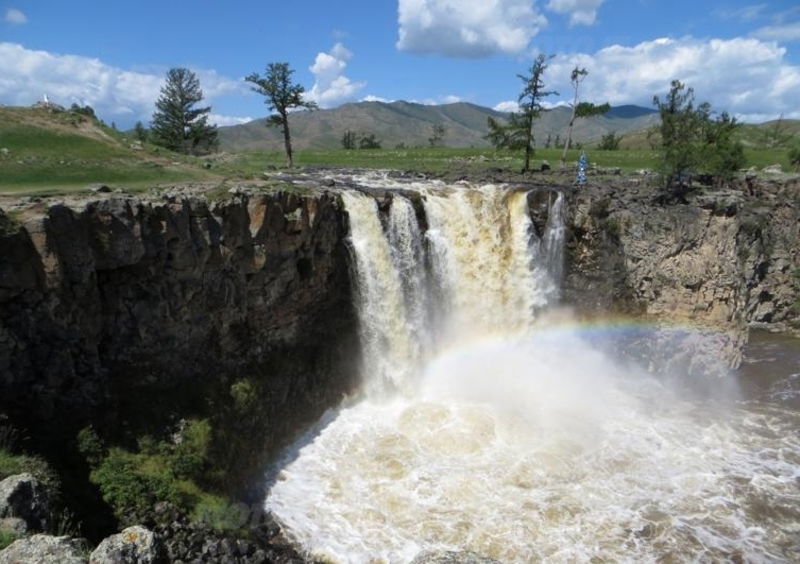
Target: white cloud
[(744, 76), (220, 120), (15, 17), (467, 28), (439, 100), (581, 12), (507, 106), (745, 13), (549, 105), (115, 93), (373, 98), (331, 86), (779, 32)]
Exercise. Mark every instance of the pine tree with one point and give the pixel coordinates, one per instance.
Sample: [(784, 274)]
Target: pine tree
[(369, 141), (281, 96), (177, 124), (140, 132), (349, 140), (693, 142), (438, 132), (518, 132)]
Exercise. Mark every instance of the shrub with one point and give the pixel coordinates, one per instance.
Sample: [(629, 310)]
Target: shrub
[(244, 396), (190, 456), (63, 523), (220, 514), (90, 446), (7, 537), (86, 110), (11, 464), (9, 224), (794, 157), (609, 142), (134, 482), (369, 141)]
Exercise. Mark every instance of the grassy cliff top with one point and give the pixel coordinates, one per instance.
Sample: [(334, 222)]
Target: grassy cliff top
[(48, 151)]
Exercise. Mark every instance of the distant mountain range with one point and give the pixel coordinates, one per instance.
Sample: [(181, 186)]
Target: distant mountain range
[(412, 125)]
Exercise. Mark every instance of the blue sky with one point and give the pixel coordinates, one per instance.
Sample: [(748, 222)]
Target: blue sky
[(742, 56)]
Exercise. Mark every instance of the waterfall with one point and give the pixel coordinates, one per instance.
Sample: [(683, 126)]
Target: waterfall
[(484, 272), (383, 320), (483, 431), (548, 253), (408, 257), (482, 259), (553, 243)]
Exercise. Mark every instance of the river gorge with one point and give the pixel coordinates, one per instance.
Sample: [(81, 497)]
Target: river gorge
[(507, 371)]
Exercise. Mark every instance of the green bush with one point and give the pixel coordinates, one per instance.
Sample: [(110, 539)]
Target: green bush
[(220, 514), (9, 224), (189, 457), (160, 471), (11, 464), (245, 396), (794, 157), (63, 523), (90, 446), (7, 537), (134, 482), (609, 142)]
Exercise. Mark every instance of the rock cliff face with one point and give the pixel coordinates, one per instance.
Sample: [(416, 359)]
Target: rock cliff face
[(727, 259), (131, 315)]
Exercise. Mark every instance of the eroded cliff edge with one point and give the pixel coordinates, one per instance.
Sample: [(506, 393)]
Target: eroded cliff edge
[(727, 259)]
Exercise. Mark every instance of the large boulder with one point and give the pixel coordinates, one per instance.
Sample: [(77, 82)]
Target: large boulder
[(45, 549), (22, 496), (133, 545)]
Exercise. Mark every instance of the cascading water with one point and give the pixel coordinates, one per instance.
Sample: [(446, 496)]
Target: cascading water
[(509, 436), (408, 258), (386, 338), (552, 247), (482, 258)]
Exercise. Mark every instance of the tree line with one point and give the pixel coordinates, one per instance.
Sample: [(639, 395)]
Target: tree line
[(692, 139)]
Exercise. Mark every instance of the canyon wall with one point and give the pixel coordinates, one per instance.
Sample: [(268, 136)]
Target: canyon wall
[(727, 259), (131, 315)]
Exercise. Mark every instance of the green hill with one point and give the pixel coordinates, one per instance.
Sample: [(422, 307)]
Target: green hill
[(54, 149), (780, 133), (770, 135), (411, 125)]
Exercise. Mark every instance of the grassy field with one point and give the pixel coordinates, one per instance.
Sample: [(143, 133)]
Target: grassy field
[(45, 153), (442, 159), (437, 159), (48, 152)]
